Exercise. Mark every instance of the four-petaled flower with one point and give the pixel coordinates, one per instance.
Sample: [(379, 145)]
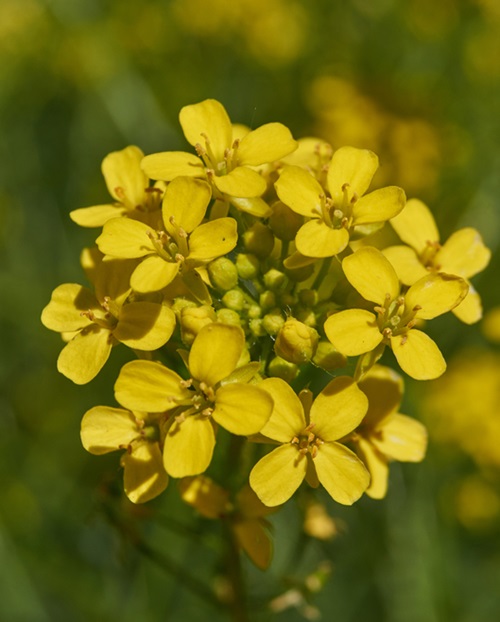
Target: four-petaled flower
[(216, 393), (358, 331), (309, 436)]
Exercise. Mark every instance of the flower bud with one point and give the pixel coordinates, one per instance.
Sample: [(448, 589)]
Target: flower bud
[(259, 240), (296, 342), (229, 317), (284, 222), (308, 297), (274, 279), (273, 322), (328, 357), (279, 368), (193, 319), (223, 274), (254, 311), (248, 266), (267, 300), (256, 327), (234, 299), (298, 275)]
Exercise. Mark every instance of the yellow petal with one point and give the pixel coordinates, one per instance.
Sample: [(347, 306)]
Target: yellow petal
[(106, 429), (207, 120), (418, 355), (213, 239), (242, 408), (125, 238), (144, 476), (406, 263), (97, 215), (153, 274), (253, 538), (341, 472), (355, 167), (378, 206), (215, 352), (210, 499), (435, 294), (189, 446), (185, 202), (145, 325), (338, 409), (300, 191), (146, 386), (371, 274), (384, 389), (64, 311), (401, 438), (112, 279), (267, 143), (85, 355), (353, 332), (171, 164), (241, 182), (464, 254), (193, 281), (316, 239), (287, 419), (470, 310), (278, 475), (124, 178), (415, 225), (377, 466), (252, 205)]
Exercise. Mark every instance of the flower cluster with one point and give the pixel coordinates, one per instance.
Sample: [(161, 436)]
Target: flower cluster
[(242, 277)]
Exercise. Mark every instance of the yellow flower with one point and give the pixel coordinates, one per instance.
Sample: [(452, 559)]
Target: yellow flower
[(334, 219), (245, 515), (358, 331), (98, 321), (384, 433), (183, 247), (216, 393), (463, 254), (225, 161), (105, 429), (309, 448), (128, 185)]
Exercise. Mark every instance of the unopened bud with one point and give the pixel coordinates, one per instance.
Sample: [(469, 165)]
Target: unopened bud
[(273, 322), (328, 357), (274, 279), (296, 342), (248, 266), (259, 240), (279, 368), (234, 299), (223, 274), (284, 222), (298, 275), (193, 319), (229, 317), (267, 300), (256, 327)]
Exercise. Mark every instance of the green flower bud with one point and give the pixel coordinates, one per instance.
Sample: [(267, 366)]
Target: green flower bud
[(254, 311), (256, 328), (328, 357), (308, 297), (248, 266), (234, 299), (273, 322), (284, 222), (267, 300), (228, 316), (193, 319), (307, 316), (259, 240), (288, 300), (275, 279), (223, 274), (298, 275), (279, 368), (180, 304), (296, 342)]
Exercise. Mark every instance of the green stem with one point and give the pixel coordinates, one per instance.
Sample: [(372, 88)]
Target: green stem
[(237, 603), (323, 271)]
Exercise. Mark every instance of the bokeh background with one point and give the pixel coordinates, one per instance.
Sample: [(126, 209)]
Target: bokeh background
[(417, 81)]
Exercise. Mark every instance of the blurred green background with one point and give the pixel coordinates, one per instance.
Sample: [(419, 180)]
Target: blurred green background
[(417, 81)]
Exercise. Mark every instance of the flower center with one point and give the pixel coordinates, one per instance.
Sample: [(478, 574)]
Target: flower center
[(307, 442), (394, 318)]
